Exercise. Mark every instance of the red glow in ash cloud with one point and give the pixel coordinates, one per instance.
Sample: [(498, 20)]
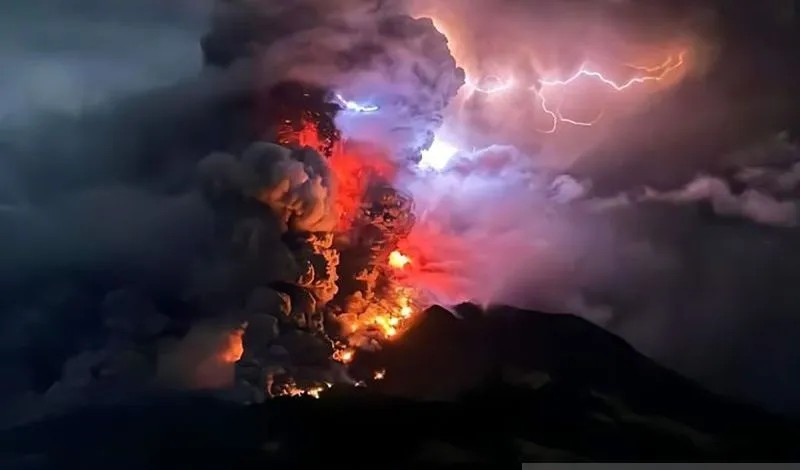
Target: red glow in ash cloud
[(352, 166)]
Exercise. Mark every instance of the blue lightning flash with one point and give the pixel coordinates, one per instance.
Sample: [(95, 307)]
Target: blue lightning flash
[(355, 106)]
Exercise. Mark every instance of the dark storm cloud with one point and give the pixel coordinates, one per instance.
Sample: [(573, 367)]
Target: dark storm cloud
[(89, 200), (78, 136), (67, 55)]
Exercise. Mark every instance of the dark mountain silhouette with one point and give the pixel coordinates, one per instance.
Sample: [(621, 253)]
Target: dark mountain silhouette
[(503, 385)]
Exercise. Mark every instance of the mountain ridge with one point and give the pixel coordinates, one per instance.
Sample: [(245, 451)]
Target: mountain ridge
[(504, 385)]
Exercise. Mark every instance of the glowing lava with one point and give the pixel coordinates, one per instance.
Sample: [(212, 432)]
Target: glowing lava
[(380, 319), (292, 390), (345, 356), (233, 348), (398, 260)]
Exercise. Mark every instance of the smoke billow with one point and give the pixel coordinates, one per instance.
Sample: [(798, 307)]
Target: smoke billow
[(164, 240), (196, 252), (673, 224), (368, 51), (294, 184), (677, 272)]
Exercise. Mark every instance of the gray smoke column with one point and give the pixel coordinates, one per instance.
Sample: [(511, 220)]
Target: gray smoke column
[(370, 52), (277, 268), (295, 184)]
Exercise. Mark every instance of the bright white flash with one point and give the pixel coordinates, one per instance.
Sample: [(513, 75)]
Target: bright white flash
[(355, 106), (438, 155)]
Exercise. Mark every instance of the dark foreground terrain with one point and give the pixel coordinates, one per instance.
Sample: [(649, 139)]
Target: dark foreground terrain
[(507, 386)]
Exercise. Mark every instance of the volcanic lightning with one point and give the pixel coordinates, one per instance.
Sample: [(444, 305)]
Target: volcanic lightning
[(361, 286), (493, 84), (661, 71), (671, 64), (355, 106)]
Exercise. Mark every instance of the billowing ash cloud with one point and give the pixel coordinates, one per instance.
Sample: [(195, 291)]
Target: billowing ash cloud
[(254, 257), (182, 246), (371, 52), (296, 185), (135, 253), (760, 207), (678, 272)]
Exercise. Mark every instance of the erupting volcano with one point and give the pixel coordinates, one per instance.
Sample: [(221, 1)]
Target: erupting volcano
[(348, 218), (359, 144), (370, 305)]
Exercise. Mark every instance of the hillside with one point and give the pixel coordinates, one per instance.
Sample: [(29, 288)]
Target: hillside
[(508, 385)]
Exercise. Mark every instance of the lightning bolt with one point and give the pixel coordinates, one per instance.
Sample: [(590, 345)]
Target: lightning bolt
[(557, 117), (661, 71), (665, 69), (650, 74), (354, 106), (656, 68)]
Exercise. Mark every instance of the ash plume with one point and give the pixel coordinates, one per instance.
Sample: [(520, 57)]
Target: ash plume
[(368, 51), (294, 184), (213, 240), (660, 267), (145, 237)]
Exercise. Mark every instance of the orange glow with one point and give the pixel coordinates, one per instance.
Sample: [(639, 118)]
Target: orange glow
[(386, 313), (405, 311), (292, 390), (353, 166), (307, 136), (381, 318), (379, 374), (398, 260), (345, 356), (233, 348)]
